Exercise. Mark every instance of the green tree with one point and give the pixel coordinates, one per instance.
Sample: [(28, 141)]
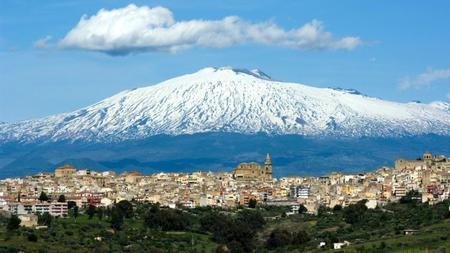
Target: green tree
[(252, 203), (45, 219), (13, 223), (411, 197), (279, 238), (32, 237), (71, 204), (212, 221), (75, 211), (337, 208), (62, 198), (167, 219), (300, 237), (116, 218), (354, 212), (252, 218), (126, 208), (91, 211), (302, 209), (43, 197), (100, 213)]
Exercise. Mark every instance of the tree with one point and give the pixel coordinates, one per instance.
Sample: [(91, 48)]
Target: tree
[(302, 209), (32, 237), (252, 203), (252, 218), (354, 212), (167, 219), (43, 197), (212, 221), (91, 211), (411, 197), (300, 237), (13, 223), (100, 213), (337, 208), (71, 204), (62, 198), (126, 208), (279, 238), (75, 211), (116, 218), (45, 219)]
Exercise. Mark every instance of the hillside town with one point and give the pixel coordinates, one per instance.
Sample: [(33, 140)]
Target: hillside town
[(428, 175)]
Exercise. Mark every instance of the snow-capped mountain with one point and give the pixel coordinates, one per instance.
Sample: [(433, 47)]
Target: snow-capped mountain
[(237, 101)]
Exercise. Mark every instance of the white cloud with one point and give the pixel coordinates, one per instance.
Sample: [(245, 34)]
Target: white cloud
[(43, 42), (424, 79), (134, 29)]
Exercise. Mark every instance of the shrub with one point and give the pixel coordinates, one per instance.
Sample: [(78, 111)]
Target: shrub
[(32, 237)]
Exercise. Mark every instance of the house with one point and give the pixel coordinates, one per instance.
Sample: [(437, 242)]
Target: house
[(340, 245), (321, 245), (410, 231), (106, 202), (58, 209), (28, 220), (41, 208)]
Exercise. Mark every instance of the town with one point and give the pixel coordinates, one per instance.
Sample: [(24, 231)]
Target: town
[(247, 183)]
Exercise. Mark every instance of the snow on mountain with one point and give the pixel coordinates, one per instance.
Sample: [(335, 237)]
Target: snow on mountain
[(233, 100), (441, 105)]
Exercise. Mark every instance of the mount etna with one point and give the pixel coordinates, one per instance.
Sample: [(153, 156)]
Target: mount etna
[(217, 117)]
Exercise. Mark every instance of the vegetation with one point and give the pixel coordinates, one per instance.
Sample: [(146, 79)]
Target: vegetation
[(43, 197), (13, 223), (144, 227), (62, 198)]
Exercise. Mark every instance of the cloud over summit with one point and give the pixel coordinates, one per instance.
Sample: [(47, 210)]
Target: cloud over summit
[(134, 29)]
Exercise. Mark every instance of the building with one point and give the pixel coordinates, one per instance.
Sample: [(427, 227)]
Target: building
[(426, 162), (298, 191), (340, 245), (65, 171), (132, 177), (28, 220), (41, 208), (58, 209), (253, 171)]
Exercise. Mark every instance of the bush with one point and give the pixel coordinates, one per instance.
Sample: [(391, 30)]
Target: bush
[(13, 223), (300, 237), (167, 219), (32, 237), (279, 238), (126, 208)]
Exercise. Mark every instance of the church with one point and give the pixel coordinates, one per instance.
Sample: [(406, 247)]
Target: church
[(253, 172)]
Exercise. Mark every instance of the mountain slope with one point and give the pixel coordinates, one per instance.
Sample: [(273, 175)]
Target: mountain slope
[(231, 100)]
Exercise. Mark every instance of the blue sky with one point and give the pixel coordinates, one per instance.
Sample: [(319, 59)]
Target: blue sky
[(402, 52)]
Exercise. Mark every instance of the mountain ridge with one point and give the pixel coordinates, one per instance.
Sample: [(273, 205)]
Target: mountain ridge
[(233, 100)]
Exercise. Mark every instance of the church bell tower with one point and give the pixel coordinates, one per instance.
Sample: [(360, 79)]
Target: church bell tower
[(268, 167)]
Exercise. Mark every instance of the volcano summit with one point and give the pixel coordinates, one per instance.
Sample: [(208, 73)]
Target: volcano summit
[(217, 117), (233, 101)]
